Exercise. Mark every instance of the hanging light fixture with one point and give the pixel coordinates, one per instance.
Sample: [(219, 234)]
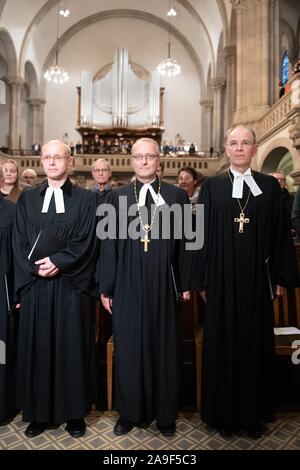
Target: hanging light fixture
[(63, 11), (169, 67), (56, 74), (172, 12)]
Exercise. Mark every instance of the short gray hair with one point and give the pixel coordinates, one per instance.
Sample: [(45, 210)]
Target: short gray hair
[(147, 139)]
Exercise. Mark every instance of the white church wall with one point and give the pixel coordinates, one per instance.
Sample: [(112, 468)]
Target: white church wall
[(93, 47)]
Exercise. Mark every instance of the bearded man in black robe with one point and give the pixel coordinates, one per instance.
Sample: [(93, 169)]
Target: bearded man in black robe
[(138, 275), (55, 223), (247, 250), (8, 318)]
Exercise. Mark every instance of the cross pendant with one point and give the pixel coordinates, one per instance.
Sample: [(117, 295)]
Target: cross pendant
[(242, 220), (145, 240)]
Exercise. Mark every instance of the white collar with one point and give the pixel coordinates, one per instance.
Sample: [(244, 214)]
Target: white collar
[(159, 201), (238, 183), (58, 199)]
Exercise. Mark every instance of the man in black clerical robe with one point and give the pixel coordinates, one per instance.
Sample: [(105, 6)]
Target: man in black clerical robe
[(8, 319), (137, 286), (246, 234), (56, 369)]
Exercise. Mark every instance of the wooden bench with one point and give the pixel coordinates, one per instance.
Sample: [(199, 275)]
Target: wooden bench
[(287, 314)]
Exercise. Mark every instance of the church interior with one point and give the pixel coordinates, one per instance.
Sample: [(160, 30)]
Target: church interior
[(100, 74)]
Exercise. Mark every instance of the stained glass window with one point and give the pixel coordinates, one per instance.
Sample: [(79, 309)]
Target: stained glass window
[(285, 68)]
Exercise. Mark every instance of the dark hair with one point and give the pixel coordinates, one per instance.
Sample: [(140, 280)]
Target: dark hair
[(189, 170)]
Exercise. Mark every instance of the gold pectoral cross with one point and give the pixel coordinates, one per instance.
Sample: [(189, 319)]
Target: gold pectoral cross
[(241, 220), (145, 240)]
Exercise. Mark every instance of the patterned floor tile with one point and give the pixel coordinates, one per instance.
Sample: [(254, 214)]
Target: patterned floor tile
[(191, 433)]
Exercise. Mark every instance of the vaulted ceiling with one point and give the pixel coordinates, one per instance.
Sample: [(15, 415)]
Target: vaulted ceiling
[(28, 27)]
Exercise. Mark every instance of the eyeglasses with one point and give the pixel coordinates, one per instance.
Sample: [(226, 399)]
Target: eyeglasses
[(243, 143), (100, 170), (55, 158), (148, 156)]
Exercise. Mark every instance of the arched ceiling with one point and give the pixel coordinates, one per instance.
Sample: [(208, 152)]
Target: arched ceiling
[(32, 25)]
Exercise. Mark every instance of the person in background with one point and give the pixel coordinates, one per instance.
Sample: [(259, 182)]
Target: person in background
[(11, 187), (160, 170), (101, 173), (29, 177), (287, 197), (188, 180)]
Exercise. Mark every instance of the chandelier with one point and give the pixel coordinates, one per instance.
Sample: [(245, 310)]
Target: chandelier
[(56, 73), (63, 11), (169, 67)]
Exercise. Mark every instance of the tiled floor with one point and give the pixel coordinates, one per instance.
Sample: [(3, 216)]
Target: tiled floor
[(192, 434)]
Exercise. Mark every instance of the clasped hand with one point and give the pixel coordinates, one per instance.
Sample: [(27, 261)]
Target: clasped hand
[(46, 267)]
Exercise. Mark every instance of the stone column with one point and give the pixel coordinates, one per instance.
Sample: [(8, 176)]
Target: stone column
[(14, 84), (206, 124), (239, 7), (218, 125), (35, 121), (230, 60), (256, 42)]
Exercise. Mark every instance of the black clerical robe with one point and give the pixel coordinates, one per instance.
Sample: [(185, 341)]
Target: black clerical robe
[(7, 314), (56, 370), (238, 326), (145, 314)]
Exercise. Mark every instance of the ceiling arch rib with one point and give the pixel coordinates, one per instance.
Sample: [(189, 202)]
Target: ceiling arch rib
[(10, 51), (2, 5), (41, 14), (137, 15), (194, 13), (224, 19)]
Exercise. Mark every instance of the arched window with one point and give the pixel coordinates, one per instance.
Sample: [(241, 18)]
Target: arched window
[(285, 68)]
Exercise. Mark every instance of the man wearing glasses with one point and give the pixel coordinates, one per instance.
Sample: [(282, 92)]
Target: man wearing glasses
[(101, 173), (137, 286), (54, 244), (247, 252)]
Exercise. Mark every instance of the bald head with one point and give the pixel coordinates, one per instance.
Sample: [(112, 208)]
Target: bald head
[(57, 161), (64, 148)]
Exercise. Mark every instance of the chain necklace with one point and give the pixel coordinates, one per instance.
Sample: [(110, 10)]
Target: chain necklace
[(241, 219), (146, 227)]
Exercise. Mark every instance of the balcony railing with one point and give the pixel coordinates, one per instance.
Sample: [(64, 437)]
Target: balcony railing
[(281, 113)]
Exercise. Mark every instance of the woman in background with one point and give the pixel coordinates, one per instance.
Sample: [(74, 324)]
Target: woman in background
[(11, 188)]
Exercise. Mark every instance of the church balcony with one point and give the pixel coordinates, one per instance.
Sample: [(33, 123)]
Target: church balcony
[(275, 118), (282, 113), (121, 165), (278, 132)]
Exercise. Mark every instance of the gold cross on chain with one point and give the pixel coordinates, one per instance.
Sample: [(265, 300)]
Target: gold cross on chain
[(145, 240), (242, 220)]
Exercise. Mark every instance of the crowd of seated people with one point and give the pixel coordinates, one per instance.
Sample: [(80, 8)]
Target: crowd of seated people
[(104, 147)]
